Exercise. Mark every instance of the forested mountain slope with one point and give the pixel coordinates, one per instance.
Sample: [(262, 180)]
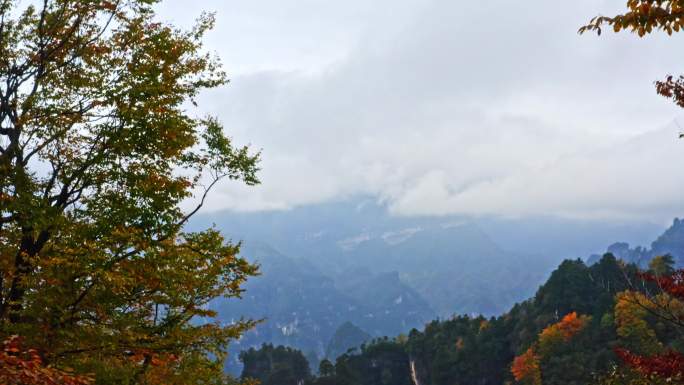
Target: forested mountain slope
[(353, 262), (588, 298), (479, 350), (302, 307)]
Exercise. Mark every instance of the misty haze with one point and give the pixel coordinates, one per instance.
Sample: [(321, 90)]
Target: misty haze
[(325, 192)]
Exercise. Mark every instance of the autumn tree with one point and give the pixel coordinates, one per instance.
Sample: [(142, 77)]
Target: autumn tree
[(99, 145), (631, 311), (527, 368), (26, 367), (643, 17), (649, 318), (561, 332), (661, 298)]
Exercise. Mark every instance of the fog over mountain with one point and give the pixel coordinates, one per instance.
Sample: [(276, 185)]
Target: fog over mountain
[(426, 158), (353, 261), (446, 107)]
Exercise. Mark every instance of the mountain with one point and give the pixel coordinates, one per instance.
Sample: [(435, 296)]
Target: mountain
[(671, 242), (446, 260), (323, 266), (302, 307), (347, 336), (479, 350), (353, 261)]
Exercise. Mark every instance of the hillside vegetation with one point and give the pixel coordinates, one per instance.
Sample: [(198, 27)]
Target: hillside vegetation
[(571, 332)]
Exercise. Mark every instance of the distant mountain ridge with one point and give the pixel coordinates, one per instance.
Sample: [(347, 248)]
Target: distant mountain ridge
[(353, 262), (449, 261), (671, 242), (302, 307), (329, 264), (482, 350)]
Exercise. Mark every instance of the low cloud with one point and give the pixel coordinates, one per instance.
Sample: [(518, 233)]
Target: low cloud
[(448, 107)]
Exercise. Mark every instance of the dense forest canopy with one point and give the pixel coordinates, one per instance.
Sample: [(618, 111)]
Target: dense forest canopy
[(600, 324)]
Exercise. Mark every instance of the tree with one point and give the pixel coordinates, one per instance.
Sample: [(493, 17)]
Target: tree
[(526, 369), (326, 368), (25, 367), (561, 332), (98, 148), (275, 365), (643, 17), (665, 304), (631, 310), (662, 265), (668, 366), (540, 358)]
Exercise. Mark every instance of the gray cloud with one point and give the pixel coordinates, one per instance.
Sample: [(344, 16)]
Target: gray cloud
[(446, 107)]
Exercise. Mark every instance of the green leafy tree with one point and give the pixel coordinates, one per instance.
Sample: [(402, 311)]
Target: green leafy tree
[(98, 148)]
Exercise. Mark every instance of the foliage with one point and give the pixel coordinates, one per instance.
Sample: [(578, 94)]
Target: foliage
[(664, 305), (319, 306), (626, 376), (622, 337), (25, 367), (631, 324), (561, 332), (526, 369), (478, 350), (643, 17), (531, 366), (672, 284), (662, 265), (275, 365), (326, 368), (668, 366), (625, 336), (97, 151), (381, 362)]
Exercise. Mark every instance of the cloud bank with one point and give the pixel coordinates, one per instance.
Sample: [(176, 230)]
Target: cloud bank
[(446, 107)]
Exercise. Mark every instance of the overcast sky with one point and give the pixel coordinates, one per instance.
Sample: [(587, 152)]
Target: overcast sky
[(446, 106)]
